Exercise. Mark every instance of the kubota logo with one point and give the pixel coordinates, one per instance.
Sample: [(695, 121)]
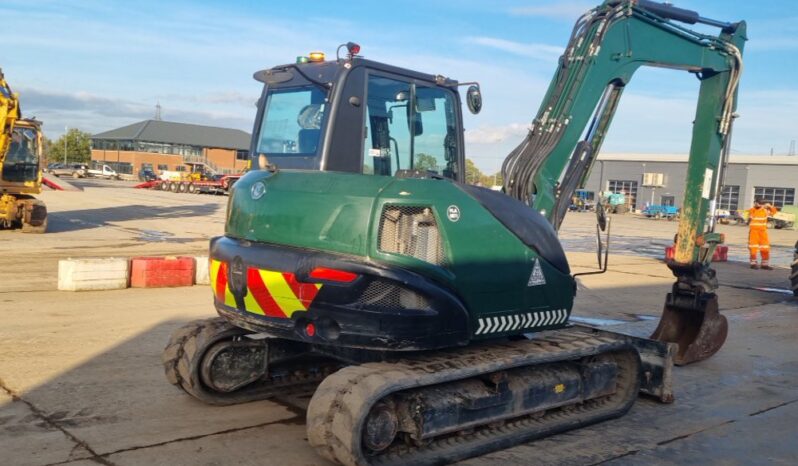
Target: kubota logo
[(257, 191), (453, 213)]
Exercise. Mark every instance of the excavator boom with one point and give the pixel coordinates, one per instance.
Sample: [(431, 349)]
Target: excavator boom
[(9, 113), (607, 46)]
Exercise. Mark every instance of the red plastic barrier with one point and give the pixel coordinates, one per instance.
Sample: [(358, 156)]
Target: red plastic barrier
[(160, 272), (721, 253)]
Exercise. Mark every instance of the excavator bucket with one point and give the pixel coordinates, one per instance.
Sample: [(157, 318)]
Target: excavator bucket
[(699, 333)]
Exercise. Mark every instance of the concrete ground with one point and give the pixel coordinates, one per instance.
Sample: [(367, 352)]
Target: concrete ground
[(81, 381)]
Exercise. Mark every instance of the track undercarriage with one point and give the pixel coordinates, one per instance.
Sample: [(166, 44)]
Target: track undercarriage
[(23, 211), (425, 408)]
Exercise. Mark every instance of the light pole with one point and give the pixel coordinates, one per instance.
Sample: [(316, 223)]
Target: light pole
[(66, 130)]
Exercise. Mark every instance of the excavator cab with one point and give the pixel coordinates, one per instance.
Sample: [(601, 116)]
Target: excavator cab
[(22, 161), (311, 114)]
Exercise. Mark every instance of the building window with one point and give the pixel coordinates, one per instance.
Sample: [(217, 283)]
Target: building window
[(668, 200), (729, 198), (778, 197), (180, 168), (167, 148), (163, 167), (626, 187), (242, 155), (122, 168), (146, 166)]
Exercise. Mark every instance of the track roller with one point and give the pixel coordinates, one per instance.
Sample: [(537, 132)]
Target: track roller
[(445, 407)]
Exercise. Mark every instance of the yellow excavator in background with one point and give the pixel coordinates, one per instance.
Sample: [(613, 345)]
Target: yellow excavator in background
[(20, 166)]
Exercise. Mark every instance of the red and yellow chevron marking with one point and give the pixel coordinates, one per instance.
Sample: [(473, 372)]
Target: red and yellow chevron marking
[(221, 291), (269, 293)]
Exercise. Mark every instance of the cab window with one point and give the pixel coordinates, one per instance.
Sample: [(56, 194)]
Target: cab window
[(292, 121), (409, 127)]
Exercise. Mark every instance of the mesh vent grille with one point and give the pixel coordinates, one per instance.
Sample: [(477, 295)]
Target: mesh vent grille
[(388, 296), (411, 231)]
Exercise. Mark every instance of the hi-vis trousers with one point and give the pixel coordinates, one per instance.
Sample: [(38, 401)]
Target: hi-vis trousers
[(758, 242)]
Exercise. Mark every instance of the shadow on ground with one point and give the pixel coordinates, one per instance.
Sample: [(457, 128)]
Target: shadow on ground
[(74, 220), (116, 408)]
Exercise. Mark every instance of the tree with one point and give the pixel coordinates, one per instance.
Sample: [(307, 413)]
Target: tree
[(78, 145), (426, 162), (473, 175)]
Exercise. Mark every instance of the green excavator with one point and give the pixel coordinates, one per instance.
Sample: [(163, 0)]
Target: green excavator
[(428, 318)]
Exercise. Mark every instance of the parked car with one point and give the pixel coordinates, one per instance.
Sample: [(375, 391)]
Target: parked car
[(75, 170), (146, 174), (103, 172)]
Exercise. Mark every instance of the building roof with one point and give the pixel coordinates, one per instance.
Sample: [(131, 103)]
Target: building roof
[(170, 132), (733, 159)]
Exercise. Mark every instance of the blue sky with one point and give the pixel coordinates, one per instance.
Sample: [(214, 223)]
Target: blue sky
[(101, 64)]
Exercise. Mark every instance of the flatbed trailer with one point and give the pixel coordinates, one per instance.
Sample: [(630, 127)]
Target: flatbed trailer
[(220, 186)]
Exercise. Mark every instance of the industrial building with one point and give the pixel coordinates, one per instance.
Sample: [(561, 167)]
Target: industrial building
[(660, 179), (164, 145)]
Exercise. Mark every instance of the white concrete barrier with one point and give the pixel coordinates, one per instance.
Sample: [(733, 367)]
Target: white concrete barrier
[(201, 275), (92, 274)]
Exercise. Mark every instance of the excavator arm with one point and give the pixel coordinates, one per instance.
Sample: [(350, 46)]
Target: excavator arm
[(608, 44), (9, 113)]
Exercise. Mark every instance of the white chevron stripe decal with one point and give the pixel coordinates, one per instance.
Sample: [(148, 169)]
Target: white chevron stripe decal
[(527, 320), (489, 327), (503, 324)]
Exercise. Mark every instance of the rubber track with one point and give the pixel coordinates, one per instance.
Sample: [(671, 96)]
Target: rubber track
[(183, 354), (340, 405)]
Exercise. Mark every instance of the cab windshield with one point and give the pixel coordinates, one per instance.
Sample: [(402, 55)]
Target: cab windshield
[(292, 121), (22, 160)]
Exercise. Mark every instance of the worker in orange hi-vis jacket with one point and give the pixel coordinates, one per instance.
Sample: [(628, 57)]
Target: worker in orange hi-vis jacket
[(758, 232)]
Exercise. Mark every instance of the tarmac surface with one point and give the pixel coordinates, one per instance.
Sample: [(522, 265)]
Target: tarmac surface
[(81, 381)]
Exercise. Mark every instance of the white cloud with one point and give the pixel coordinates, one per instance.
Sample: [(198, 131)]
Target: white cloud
[(536, 51), (496, 134), (559, 10), (94, 113)]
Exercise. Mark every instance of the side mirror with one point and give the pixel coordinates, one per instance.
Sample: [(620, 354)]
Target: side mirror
[(601, 216), (474, 99)]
